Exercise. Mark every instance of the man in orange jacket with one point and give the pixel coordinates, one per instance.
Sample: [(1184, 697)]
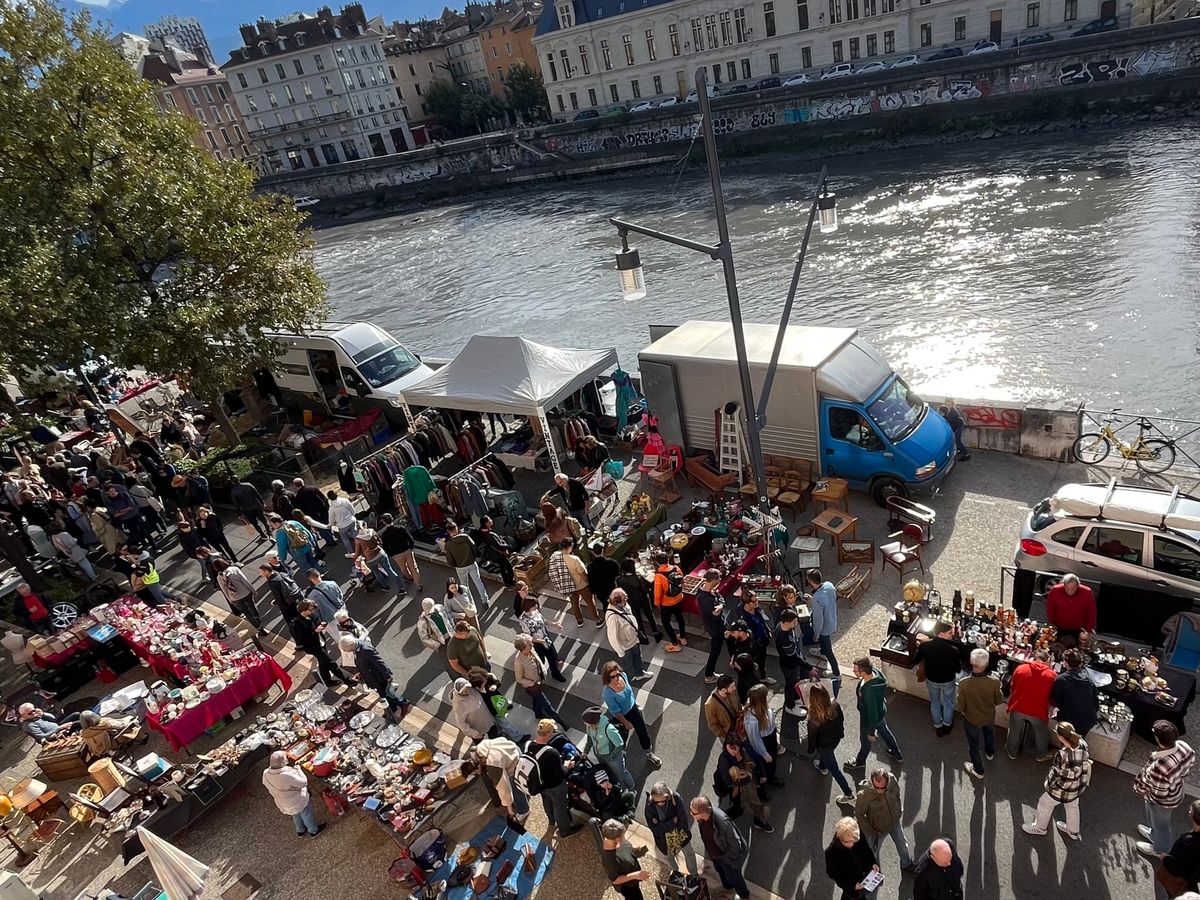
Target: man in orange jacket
[(668, 597)]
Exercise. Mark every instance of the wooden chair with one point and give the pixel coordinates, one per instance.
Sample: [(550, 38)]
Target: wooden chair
[(663, 478), (792, 495), (774, 482), (903, 551)]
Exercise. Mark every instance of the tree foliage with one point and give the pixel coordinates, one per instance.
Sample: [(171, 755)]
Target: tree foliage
[(478, 107), (527, 93), (119, 235), (444, 101)]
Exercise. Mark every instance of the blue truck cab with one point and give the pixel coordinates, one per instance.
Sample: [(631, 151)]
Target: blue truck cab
[(835, 402)]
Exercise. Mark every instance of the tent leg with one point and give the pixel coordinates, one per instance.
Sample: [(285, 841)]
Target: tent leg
[(549, 436)]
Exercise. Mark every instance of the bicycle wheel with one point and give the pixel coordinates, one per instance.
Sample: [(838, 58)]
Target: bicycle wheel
[(1160, 457), (1091, 448)]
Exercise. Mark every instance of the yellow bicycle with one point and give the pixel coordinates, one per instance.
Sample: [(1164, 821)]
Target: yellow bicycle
[(1152, 455)]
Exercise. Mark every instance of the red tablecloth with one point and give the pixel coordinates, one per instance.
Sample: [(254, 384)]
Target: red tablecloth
[(348, 431), (162, 666), (53, 660), (140, 389), (692, 605), (194, 722)]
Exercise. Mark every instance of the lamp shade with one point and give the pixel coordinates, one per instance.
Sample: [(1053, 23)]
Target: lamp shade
[(629, 267), (26, 792), (827, 209)]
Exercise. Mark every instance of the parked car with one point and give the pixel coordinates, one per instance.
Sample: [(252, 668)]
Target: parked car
[(911, 60), (305, 202), (1108, 23), (797, 79), (1128, 536), (944, 53), (1036, 39), (670, 101), (586, 114), (738, 89), (618, 110), (642, 106), (873, 66), (765, 84), (693, 96), (984, 47), (841, 70)]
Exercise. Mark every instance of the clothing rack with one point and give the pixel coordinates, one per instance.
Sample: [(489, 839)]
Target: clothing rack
[(485, 487)]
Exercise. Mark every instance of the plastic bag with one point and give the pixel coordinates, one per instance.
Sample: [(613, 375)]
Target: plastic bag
[(614, 468)]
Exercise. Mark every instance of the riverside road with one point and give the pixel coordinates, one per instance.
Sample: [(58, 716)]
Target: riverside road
[(1047, 267)]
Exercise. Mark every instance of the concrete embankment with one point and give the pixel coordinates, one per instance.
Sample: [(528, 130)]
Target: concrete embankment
[(1135, 73)]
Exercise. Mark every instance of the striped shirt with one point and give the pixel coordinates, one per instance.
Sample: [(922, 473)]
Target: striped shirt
[(1161, 779)]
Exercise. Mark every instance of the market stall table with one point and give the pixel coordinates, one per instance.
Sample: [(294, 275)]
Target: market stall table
[(837, 524), (162, 666), (631, 540), (191, 723), (835, 493), (1147, 710)]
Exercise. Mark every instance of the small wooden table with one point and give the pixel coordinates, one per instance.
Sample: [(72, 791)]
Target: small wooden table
[(836, 494), (837, 524)]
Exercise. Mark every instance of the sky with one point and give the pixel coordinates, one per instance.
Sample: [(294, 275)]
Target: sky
[(221, 18)]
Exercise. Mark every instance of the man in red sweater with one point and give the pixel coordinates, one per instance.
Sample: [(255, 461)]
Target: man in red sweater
[(1071, 608), (1029, 704)]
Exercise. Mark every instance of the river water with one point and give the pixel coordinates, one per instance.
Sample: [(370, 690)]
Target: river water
[(1048, 268)]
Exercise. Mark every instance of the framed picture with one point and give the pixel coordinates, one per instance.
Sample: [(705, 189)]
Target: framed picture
[(856, 551)]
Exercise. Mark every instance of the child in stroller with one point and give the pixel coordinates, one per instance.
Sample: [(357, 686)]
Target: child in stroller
[(592, 788)]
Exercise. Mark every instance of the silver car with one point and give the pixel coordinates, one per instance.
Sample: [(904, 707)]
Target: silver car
[(1138, 537)]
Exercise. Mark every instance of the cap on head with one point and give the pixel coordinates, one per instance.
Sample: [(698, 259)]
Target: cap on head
[(461, 686), (591, 715)]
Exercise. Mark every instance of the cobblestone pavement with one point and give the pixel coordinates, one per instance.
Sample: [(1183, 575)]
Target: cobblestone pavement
[(979, 512)]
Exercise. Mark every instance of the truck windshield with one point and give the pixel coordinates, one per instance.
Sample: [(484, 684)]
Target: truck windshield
[(388, 366), (897, 411)]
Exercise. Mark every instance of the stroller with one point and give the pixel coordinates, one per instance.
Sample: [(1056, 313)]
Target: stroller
[(592, 788)]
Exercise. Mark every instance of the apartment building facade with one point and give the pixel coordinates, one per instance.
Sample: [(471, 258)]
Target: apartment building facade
[(598, 53), (184, 32), (315, 90), (413, 65), (508, 39)]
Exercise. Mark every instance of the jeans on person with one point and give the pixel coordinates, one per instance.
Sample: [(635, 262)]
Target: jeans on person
[(347, 533), (941, 701), (716, 641), (244, 607), (88, 569), (471, 578), (548, 654), (554, 801), (584, 518), (974, 734), (666, 613), (616, 762), (306, 558), (1159, 819), (543, 708), (385, 575), (829, 761), (791, 681), (393, 700), (732, 878), (306, 819), (633, 661), (634, 717), (874, 841), (509, 730), (883, 731), (156, 592), (825, 642), (1016, 734), (958, 440), (1045, 812)]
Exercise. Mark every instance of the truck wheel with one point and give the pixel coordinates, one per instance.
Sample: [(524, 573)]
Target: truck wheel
[(886, 486)]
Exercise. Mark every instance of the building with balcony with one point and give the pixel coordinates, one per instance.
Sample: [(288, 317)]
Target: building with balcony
[(599, 53), (508, 39), (415, 60), (315, 90), (191, 84)]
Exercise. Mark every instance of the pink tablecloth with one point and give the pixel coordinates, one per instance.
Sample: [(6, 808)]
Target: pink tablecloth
[(162, 666), (348, 431), (54, 660), (194, 722), (692, 605)]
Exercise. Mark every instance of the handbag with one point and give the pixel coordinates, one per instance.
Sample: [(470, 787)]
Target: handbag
[(1173, 884)]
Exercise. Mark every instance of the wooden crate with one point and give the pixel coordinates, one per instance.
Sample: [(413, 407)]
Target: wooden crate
[(64, 764)]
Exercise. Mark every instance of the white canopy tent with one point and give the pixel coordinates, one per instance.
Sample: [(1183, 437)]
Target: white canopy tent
[(510, 375)]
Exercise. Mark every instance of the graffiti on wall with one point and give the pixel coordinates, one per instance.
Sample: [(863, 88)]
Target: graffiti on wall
[(1149, 63), (992, 417)]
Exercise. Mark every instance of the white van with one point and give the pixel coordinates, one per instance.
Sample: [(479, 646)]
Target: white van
[(343, 364)]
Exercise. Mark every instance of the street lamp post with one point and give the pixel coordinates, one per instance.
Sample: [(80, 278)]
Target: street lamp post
[(633, 284)]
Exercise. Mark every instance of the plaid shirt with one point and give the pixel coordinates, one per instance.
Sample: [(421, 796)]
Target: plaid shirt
[(1068, 776), (1161, 779)]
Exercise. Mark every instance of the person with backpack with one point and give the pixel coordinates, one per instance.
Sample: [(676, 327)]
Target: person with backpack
[(238, 591), (294, 540), (542, 772), (668, 597), (1069, 776), (604, 741), (285, 593)]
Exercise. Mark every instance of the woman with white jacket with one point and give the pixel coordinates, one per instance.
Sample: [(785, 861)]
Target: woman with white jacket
[(623, 634), (497, 757)]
